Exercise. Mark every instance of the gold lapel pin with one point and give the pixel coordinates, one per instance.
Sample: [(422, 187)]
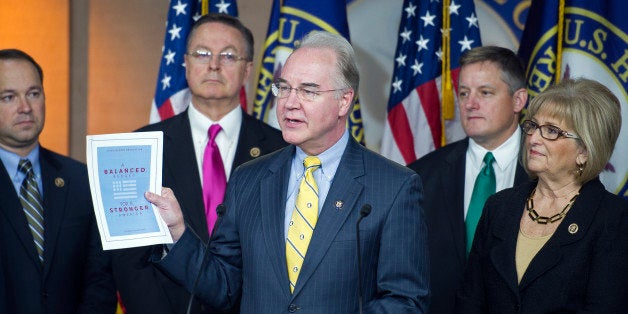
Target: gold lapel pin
[(59, 182), (573, 228), (254, 152), (339, 204)]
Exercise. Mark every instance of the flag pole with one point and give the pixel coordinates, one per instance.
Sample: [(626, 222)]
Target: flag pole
[(204, 7), (559, 39), (447, 89)]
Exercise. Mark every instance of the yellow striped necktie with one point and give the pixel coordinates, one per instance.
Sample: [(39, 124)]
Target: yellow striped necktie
[(303, 221)]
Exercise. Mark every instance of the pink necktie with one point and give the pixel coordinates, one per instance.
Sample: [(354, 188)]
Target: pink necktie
[(214, 178)]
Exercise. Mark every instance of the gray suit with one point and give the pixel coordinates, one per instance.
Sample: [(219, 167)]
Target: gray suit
[(248, 248)]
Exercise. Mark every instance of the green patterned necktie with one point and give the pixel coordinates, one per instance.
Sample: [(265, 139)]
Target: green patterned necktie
[(483, 188)]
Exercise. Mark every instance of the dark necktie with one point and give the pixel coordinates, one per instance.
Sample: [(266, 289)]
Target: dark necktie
[(32, 204)]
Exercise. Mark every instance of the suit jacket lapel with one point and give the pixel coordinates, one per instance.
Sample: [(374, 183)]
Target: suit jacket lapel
[(55, 199), (11, 208), (453, 181), (273, 192), (249, 138), (180, 162), (344, 188)]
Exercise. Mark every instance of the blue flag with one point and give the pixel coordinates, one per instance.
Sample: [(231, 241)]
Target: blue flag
[(290, 20), (594, 45)]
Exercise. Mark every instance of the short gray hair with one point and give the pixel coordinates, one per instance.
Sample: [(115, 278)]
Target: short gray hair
[(347, 74)]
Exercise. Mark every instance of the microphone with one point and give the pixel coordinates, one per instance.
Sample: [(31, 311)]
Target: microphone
[(220, 211), (364, 211)]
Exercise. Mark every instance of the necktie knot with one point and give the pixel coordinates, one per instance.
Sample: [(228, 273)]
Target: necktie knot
[(489, 158), (25, 167), (311, 162), (488, 162), (213, 131)]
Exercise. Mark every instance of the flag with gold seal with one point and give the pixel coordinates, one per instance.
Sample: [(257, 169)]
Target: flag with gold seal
[(582, 38)]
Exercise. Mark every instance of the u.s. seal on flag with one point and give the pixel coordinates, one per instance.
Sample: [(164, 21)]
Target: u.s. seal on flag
[(595, 48)]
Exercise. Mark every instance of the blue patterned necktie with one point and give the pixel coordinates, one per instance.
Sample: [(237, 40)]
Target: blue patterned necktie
[(32, 204), (303, 221), (483, 188)]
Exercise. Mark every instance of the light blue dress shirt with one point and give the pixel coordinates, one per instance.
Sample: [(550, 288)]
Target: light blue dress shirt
[(11, 161), (324, 176)]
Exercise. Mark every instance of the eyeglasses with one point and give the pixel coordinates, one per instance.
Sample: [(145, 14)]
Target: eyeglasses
[(281, 90), (224, 58), (548, 131)]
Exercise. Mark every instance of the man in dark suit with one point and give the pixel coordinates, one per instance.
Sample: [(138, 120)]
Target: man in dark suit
[(491, 96), (287, 242), (218, 63), (51, 259)]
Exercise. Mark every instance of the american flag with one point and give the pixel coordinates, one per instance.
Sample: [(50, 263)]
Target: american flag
[(417, 123), (172, 95)]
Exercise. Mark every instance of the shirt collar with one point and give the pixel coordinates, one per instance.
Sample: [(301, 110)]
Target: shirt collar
[(11, 161), (505, 154), (330, 158), (229, 123)]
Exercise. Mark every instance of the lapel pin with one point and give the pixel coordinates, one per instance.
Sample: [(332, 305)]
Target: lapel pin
[(254, 152), (59, 182), (573, 228), (339, 204)]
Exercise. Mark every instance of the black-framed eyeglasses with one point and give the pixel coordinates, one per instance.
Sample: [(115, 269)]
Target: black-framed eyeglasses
[(548, 131), (281, 90), (224, 58)]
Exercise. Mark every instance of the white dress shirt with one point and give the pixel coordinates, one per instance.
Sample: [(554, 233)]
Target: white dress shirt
[(227, 139)]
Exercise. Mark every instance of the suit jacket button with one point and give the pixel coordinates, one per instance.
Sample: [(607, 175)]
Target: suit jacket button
[(293, 308)]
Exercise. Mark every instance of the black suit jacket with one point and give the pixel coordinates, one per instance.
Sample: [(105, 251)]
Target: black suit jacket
[(142, 287), (443, 173), (581, 268), (76, 275)]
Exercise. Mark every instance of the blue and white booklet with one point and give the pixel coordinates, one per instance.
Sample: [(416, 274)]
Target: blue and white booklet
[(121, 168)]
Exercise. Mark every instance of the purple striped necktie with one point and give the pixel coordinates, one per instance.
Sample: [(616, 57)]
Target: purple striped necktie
[(214, 178)]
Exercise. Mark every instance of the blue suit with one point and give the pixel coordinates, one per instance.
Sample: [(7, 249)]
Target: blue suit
[(76, 274), (248, 249)]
